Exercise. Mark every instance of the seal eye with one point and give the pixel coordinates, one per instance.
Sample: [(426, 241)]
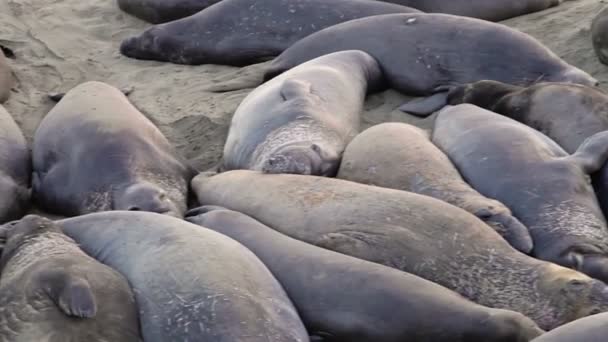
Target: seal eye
[(134, 208)]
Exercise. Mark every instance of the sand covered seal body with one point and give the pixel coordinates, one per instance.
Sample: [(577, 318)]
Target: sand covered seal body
[(161, 11), (241, 32), (15, 169), (492, 10), (301, 121), (413, 233), (6, 78), (427, 54), (191, 284), (324, 285), (401, 156), (95, 151), (50, 290), (547, 189)]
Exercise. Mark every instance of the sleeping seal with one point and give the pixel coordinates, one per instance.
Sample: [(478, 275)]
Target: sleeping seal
[(52, 291), (301, 121), (15, 169), (160, 11), (95, 151), (427, 54), (547, 189), (410, 232), (324, 285), (241, 32), (402, 157), (191, 284)]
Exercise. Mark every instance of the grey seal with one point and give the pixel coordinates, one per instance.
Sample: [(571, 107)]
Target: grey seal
[(402, 157), (301, 121), (410, 232), (161, 11), (547, 189), (15, 169), (190, 283), (325, 284), (50, 290), (428, 54), (588, 329), (95, 151), (241, 32)]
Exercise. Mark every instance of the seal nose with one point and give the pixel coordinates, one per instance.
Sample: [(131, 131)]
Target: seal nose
[(127, 47)]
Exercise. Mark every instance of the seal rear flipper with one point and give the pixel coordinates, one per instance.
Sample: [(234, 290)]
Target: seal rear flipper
[(72, 294), (592, 153), (423, 107)]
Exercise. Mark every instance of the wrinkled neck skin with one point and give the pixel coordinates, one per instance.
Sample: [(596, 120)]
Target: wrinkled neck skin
[(291, 149), (23, 251)]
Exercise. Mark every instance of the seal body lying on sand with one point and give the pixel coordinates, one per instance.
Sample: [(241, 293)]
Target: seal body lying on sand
[(301, 121), (160, 11), (15, 169), (324, 285), (427, 54), (492, 10), (413, 233), (241, 32), (401, 156), (6, 78), (191, 284), (95, 151), (50, 290), (547, 189)]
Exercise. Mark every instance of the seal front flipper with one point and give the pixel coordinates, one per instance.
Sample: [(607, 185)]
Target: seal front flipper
[(423, 107), (72, 294), (592, 154), (294, 88)]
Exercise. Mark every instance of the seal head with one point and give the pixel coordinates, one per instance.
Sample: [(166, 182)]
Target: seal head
[(303, 159), (144, 196)]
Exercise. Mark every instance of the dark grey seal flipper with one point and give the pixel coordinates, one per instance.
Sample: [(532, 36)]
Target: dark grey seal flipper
[(424, 107), (592, 154), (71, 293)]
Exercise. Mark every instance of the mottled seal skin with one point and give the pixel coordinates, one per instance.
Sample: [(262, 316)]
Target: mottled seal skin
[(401, 156), (6, 78), (161, 11), (589, 329), (565, 112), (427, 54), (410, 232), (94, 151), (547, 189), (50, 290), (492, 10), (15, 169), (599, 35), (325, 284), (241, 32), (191, 284), (301, 121)]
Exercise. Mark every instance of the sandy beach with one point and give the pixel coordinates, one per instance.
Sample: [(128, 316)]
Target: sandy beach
[(61, 43)]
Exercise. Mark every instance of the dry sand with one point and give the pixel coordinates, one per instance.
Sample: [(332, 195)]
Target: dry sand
[(61, 43)]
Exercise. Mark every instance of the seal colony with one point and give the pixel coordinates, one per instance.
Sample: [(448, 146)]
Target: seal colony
[(486, 228)]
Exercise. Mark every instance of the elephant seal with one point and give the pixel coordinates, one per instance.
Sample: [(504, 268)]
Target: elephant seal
[(50, 290), (410, 232), (492, 10), (241, 32), (588, 329), (402, 157), (430, 53), (161, 11), (565, 112), (599, 35), (325, 284), (547, 189), (15, 169), (94, 151), (301, 121), (6, 78), (191, 284)]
